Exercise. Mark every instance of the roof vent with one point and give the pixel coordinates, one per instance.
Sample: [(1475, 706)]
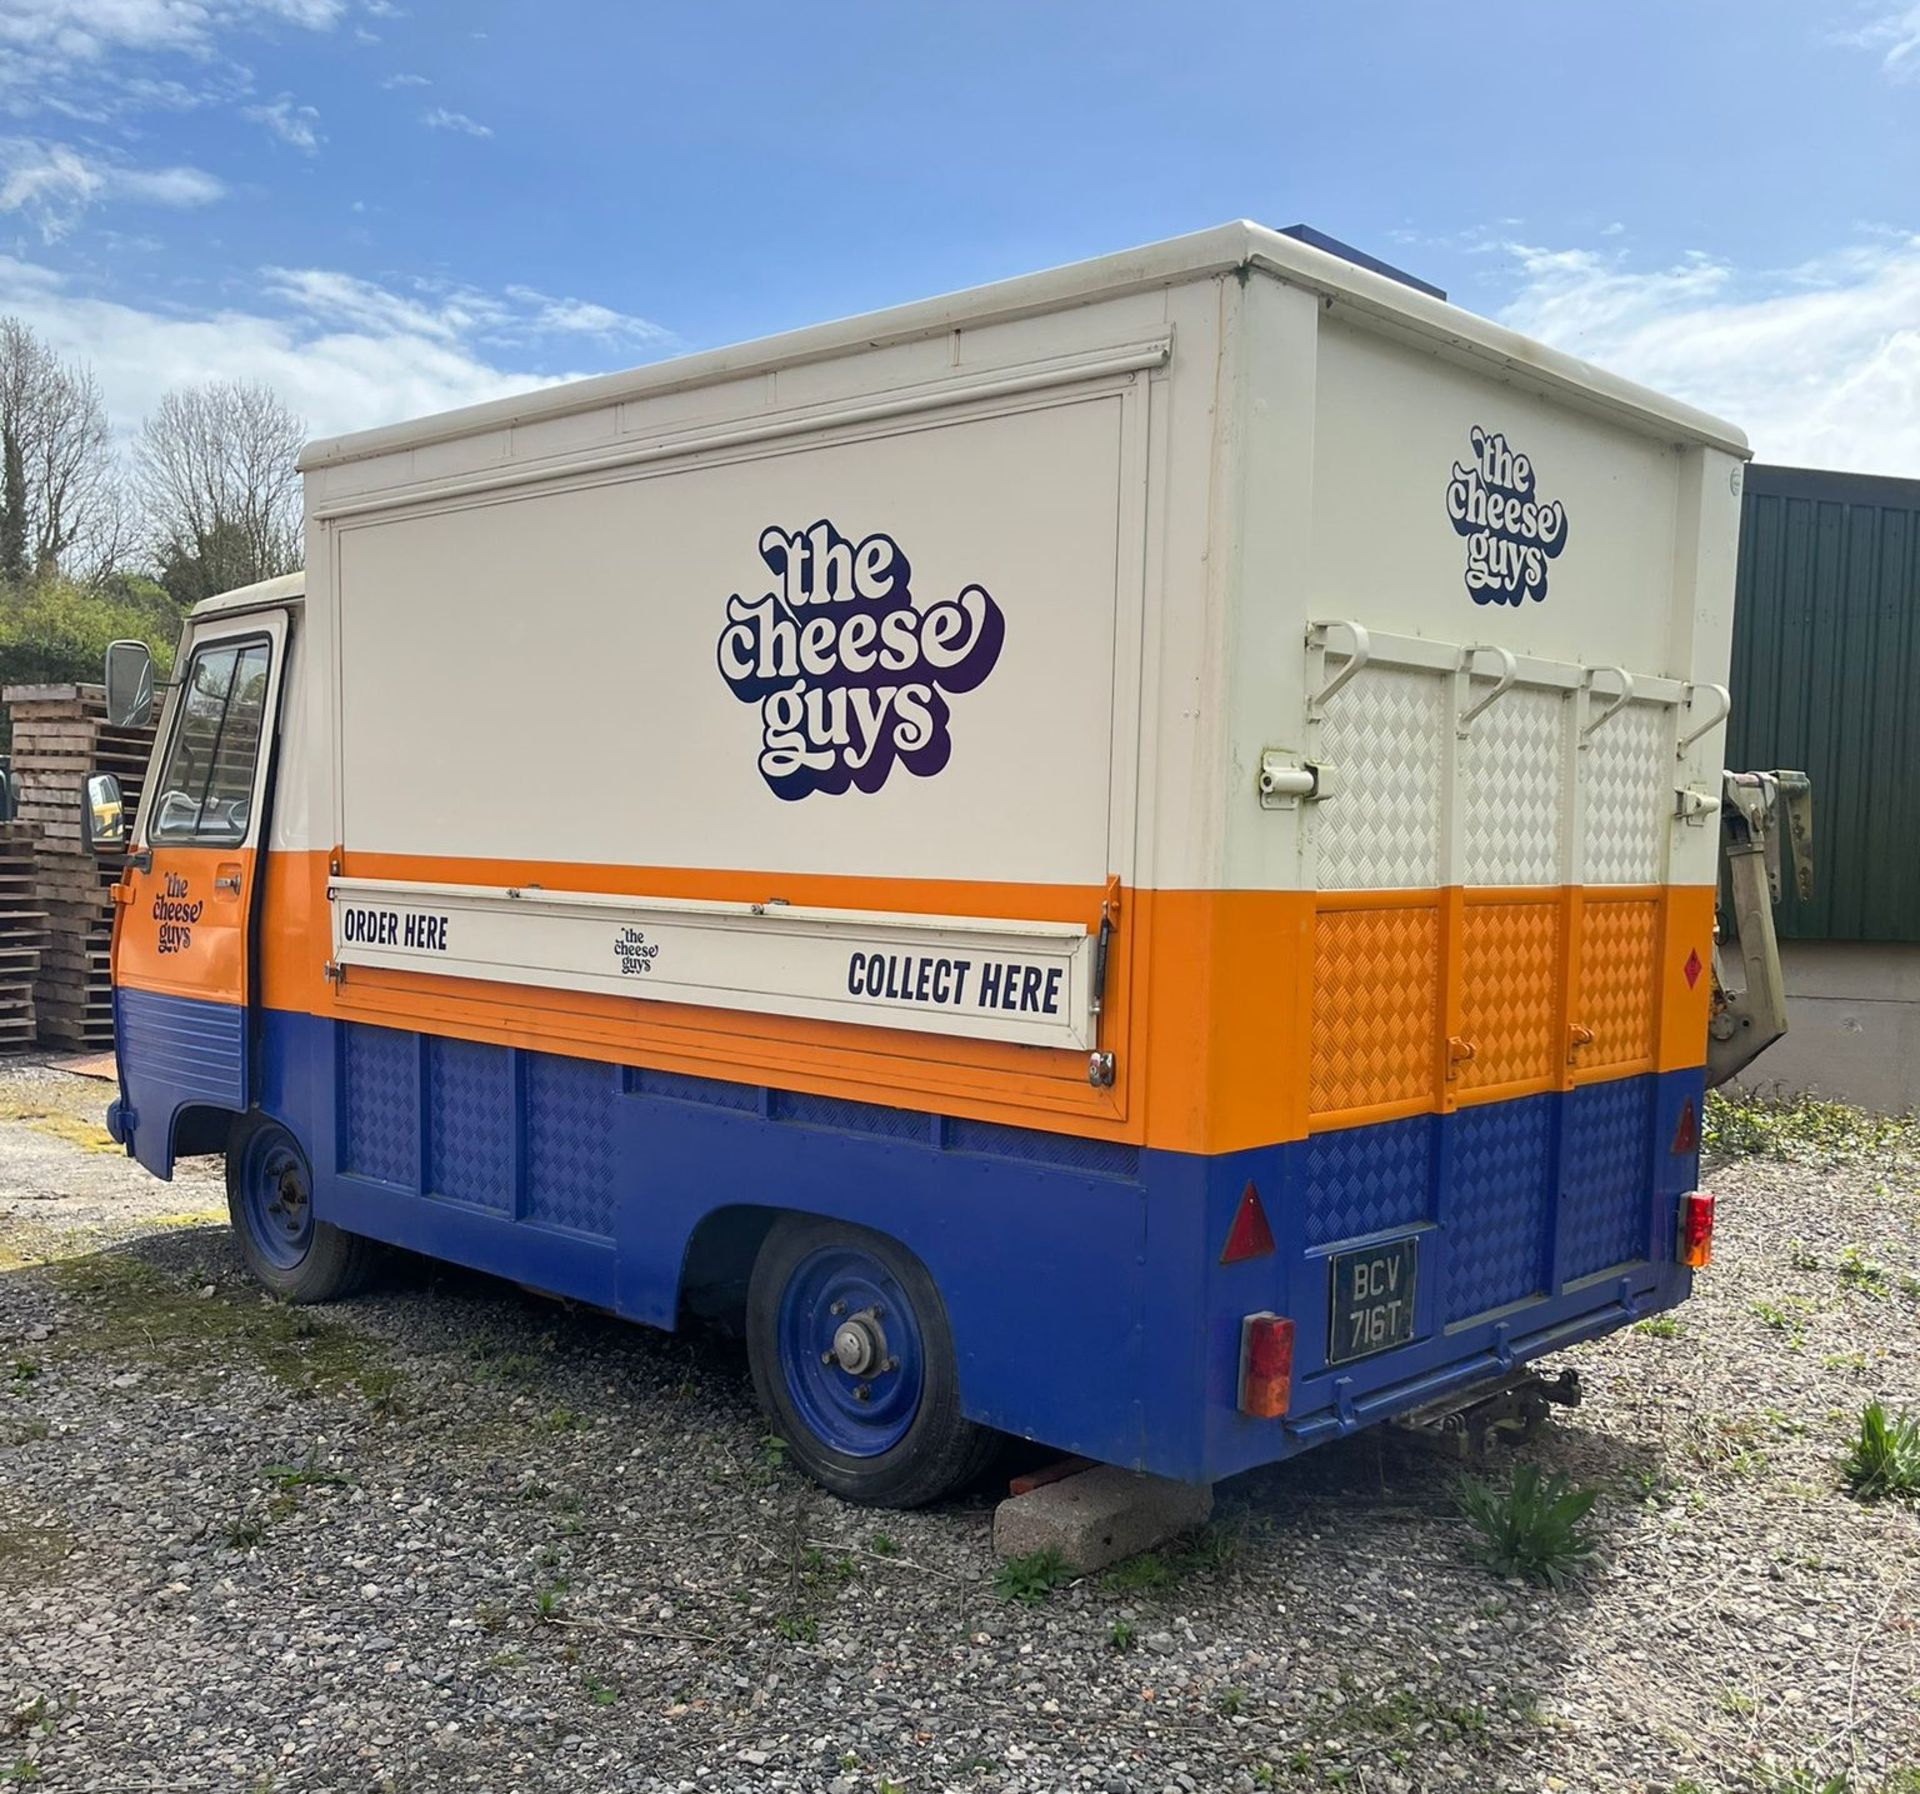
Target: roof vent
[(1318, 239)]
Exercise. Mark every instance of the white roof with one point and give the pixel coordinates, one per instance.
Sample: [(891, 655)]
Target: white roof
[(265, 591), (1375, 299)]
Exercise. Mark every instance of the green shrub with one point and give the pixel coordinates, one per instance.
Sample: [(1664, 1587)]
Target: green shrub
[(1533, 1529)]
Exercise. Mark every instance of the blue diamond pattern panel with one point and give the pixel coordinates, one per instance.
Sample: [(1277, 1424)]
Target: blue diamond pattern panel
[(848, 1117), (1499, 1205), (381, 1136), (470, 1123), (712, 1093), (1606, 1211), (1366, 1179), (1104, 1158), (570, 1148)]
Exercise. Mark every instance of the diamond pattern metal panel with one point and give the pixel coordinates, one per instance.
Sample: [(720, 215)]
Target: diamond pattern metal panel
[(1367, 1179), (382, 1131), (1384, 737), (571, 1162), (1606, 1203), (1629, 797), (1510, 992), (1618, 978), (1376, 1007), (1499, 1205), (470, 1123), (1515, 762), (844, 1115)]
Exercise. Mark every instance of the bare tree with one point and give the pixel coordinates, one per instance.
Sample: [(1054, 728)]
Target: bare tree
[(57, 474), (215, 465)]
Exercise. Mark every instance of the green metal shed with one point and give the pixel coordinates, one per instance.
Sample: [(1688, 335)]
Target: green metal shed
[(1826, 676)]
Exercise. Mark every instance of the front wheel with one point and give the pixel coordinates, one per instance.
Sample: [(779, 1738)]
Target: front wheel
[(853, 1360), (270, 1198)]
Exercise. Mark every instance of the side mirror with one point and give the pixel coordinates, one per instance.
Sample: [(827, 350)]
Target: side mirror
[(129, 685), (103, 812)]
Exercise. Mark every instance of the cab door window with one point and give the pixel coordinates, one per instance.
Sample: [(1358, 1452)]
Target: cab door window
[(205, 789)]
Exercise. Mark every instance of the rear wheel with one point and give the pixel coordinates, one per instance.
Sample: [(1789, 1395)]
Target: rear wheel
[(853, 1360), (270, 1198)]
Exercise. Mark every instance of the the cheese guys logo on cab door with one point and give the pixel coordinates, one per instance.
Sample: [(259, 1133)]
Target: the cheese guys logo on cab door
[(1511, 531), (849, 674)]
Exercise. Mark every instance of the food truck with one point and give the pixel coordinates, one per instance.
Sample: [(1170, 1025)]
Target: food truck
[(1126, 858)]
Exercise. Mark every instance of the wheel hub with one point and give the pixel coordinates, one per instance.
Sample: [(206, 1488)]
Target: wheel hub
[(859, 1346)]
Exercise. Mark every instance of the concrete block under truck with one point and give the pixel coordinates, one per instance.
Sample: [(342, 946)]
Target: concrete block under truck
[(1126, 858)]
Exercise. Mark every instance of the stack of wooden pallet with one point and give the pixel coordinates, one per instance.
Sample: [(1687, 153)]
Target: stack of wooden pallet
[(23, 933), (60, 734)]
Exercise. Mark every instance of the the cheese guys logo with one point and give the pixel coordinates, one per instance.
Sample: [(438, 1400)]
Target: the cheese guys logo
[(849, 674), (1511, 531)]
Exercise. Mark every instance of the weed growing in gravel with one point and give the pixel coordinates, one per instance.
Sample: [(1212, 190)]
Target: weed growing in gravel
[(24, 1370), (1123, 1637), (1533, 1529), (563, 1420), (1659, 1326), (130, 1310), (1859, 1272), (550, 1604), (1885, 1455), (246, 1533), (1030, 1579), (883, 1544), (797, 1628), (1801, 1129), (601, 1694), (1802, 1781), (1204, 1552), (1232, 1700)]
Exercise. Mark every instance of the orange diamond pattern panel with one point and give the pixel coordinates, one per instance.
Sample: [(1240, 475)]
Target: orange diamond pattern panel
[(1376, 1007), (1619, 945), (1510, 993)]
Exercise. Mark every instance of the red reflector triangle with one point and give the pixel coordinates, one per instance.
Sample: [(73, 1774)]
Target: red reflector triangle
[(1249, 1236), (1686, 1137)]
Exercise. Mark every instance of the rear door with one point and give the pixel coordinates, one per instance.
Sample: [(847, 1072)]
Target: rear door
[(183, 970)]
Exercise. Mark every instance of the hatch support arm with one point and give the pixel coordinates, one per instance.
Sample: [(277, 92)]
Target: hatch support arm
[(1754, 807)]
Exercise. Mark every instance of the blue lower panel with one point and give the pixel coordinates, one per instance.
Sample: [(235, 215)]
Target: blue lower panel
[(174, 1052), (1082, 1278)]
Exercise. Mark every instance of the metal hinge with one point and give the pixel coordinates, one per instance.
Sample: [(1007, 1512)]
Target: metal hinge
[(1100, 1070), (334, 972)]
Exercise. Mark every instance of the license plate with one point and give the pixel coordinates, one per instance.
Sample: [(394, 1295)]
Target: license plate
[(1372, 1301)]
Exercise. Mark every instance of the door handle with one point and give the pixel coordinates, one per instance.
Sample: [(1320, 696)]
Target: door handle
[(227, 879)]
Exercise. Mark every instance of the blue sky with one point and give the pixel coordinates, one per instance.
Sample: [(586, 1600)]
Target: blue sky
[(385, 207)]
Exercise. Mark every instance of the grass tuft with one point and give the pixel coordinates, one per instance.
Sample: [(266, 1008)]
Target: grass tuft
[(1884, 1458), (1533, 1528)]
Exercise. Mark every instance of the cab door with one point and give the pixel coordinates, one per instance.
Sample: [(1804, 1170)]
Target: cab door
[(183, 960)]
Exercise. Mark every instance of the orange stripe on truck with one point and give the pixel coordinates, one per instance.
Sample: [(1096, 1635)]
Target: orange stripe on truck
[(1237, 1018)]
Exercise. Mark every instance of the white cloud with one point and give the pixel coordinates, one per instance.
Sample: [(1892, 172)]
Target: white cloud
[(440, 119), (1894, 36), (53, 184), (291, 123), (363, 365), (546, 316), (406, 81), (1818, 363), (92, 28)]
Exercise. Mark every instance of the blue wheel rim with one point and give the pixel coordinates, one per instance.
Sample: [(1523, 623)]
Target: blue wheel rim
[(276, 1198), (859, 1402)]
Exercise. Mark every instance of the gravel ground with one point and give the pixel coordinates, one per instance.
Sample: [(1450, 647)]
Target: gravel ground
[(454, 1536)]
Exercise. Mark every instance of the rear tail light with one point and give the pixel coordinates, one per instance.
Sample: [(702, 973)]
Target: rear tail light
[(1266, 1365), (1696, 1230)]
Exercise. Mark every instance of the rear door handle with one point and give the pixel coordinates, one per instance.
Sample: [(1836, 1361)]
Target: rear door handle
[(227, 879)]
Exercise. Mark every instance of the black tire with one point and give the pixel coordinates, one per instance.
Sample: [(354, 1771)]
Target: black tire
[(329, 1262), (940, 1451)]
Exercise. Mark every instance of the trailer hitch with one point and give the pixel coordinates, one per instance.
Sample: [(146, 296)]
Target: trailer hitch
[(1509, 1409)]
